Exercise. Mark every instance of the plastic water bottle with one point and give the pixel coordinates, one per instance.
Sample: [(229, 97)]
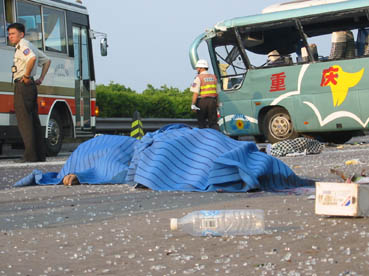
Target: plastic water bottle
[(221, 223)]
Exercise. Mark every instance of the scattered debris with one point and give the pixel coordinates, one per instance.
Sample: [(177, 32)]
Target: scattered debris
[(311, 197), (353, 162), (353, 178)]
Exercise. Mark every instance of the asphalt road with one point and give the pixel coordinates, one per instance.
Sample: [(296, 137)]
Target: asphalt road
[(119, 230)]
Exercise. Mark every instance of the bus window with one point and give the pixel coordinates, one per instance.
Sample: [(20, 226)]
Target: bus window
[(363, 42), (335, 35), (231, 66), (2, 23), (272, 46), (30, 16), (85, 55), (9, 14), (54, 24)]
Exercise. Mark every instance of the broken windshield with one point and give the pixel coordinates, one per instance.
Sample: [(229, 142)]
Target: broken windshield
[(231, 66)]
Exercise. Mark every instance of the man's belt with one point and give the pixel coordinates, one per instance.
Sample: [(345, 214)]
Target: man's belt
[(19, 79)]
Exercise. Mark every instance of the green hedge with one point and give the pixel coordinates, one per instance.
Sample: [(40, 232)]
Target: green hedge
[(115, 100)]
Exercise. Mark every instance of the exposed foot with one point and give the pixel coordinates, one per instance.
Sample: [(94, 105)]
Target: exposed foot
[(70, 179)]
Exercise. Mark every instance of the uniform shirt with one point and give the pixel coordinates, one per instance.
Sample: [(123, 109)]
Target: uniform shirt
[(23, 53), (195, 87)]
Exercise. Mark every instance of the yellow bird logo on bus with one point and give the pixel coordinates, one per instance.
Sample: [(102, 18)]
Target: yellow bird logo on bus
[(340, 82)]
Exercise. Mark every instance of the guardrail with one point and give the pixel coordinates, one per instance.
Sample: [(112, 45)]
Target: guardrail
[(123, 125)]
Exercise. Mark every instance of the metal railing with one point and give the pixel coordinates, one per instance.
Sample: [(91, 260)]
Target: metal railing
[(123, 125)]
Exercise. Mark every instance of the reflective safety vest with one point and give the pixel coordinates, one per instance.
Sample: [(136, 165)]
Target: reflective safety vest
[(208, 85)]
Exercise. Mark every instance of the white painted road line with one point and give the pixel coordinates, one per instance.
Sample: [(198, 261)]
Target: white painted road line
[(31, 164)]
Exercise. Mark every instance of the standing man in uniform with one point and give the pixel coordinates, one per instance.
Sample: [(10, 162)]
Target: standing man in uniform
[(26, 59), (205, 97)]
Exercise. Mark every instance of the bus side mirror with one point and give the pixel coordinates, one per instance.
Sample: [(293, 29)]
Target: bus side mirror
[(104, 47)]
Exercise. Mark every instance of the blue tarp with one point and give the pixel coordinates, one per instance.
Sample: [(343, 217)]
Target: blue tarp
[(174, 158)]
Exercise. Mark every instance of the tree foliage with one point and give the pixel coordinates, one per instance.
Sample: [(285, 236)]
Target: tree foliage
[(116, 100)]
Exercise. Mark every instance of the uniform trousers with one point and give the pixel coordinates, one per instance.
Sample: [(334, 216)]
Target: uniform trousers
[(26, 111), (207, 115)]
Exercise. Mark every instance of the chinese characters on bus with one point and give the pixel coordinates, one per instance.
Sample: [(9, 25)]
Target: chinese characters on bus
[(329, 76), (278, 82)]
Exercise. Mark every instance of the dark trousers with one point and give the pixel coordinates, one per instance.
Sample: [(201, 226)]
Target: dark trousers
[(207, 115), (26, 111)]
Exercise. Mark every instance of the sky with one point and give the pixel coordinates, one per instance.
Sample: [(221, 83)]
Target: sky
[(149, 40)]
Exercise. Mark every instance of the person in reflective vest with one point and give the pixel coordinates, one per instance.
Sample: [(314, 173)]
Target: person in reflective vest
[(205, 97)]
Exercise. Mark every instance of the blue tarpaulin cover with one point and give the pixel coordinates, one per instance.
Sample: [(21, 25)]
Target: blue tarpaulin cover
[(174, 158)]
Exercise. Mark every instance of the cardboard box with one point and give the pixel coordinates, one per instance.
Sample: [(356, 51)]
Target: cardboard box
[(342, 199)]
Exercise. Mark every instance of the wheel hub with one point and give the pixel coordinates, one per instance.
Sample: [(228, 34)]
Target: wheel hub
[(53, 131), (280, 126)]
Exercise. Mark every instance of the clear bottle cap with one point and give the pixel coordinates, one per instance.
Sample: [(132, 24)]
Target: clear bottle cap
[(173, 224), (268, 149)]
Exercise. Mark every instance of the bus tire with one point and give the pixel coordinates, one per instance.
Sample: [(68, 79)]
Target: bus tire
[(54, 140), (278, 126)]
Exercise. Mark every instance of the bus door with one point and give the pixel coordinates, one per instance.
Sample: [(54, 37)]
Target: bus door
[(82, 77), (236, 100)]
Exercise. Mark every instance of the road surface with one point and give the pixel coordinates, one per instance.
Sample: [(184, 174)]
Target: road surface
[(119, 230)]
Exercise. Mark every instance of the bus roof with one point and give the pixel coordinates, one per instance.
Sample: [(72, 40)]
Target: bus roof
[(298, 4), (292, 13), (71, 5)]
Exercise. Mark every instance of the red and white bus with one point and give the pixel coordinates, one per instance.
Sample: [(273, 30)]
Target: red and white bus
[(67, 97)]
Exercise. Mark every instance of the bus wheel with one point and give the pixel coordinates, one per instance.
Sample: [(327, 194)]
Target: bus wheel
[(277, 125), (55, 135)]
